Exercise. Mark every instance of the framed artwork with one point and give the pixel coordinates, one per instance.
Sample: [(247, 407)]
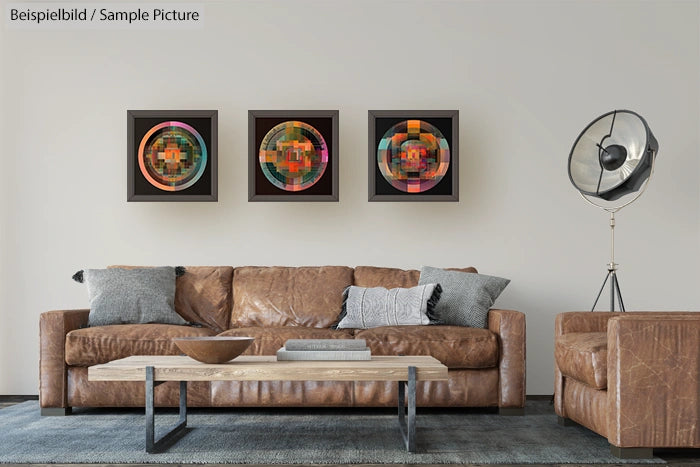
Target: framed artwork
[(293, 155), (171, 155), (413, 155)]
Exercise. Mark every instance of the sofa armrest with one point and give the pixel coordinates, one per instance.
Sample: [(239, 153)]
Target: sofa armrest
[(509, 325), (53, 327), (654, 380)]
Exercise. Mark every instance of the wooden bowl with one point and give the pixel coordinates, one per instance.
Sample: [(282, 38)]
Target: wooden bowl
[(213, 349)]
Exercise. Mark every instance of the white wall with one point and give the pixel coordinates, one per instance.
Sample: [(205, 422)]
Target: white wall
[(526, 76)]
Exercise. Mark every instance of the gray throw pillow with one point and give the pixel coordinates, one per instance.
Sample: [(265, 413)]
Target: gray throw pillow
[(466, 297), (130, 296), (365, 308)]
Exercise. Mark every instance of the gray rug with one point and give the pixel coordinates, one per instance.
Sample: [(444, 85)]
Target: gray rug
[(296, 436)]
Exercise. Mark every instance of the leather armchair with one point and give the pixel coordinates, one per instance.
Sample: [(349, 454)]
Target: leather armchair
[(631, 377)]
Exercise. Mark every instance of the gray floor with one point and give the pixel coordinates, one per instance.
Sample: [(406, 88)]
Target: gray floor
[(676, 457)]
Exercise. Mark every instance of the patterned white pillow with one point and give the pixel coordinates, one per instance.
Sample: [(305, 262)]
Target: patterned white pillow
[(365, 308)]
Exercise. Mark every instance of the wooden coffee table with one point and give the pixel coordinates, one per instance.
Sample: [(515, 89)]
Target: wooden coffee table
[(154, 370)]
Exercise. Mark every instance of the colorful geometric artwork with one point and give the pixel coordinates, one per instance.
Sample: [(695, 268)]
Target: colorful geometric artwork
[(413, 156), (172, 156), (293, 156)]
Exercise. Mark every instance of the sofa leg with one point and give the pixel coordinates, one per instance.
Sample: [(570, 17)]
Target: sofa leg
[(631, 453), (563, 421), (55, 411), (511, 411)]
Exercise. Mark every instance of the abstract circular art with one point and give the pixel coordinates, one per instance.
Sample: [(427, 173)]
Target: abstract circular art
[(413, 156), (172, 156), (293, 156)]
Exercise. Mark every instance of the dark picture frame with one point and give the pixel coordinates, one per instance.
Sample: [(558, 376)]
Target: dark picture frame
[(381, 121), (140, 123), (260, 122)]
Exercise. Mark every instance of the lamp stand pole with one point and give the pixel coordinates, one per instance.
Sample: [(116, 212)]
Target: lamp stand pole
[(612, 273)]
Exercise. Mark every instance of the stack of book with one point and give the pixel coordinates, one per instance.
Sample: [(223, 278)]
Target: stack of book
[(324, 349)]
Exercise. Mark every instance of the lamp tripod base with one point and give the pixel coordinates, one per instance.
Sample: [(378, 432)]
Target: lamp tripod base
[(614, 289)]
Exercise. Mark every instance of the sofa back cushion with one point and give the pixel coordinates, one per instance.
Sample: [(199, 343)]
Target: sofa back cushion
[(288, 296), (390, 278), (203, 295)]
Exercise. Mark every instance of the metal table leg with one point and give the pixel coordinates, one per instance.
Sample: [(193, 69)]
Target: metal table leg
[(153, 445), (408, 427)]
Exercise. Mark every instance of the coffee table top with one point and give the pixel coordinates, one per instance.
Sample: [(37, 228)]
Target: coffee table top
[(267, 368)]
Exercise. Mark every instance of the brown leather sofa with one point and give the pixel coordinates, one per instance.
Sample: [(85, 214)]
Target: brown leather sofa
[(631, 377), (273, 304)]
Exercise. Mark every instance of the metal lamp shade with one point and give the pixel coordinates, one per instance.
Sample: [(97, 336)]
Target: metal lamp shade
[(613, 156)]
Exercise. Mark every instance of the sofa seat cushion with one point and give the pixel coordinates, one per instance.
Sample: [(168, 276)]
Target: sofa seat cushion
[(455, 346), (268, 340), (283, 296), (101, 344), (583, 356)]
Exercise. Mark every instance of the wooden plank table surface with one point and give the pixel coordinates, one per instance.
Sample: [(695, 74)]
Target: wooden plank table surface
[(267, 368)]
